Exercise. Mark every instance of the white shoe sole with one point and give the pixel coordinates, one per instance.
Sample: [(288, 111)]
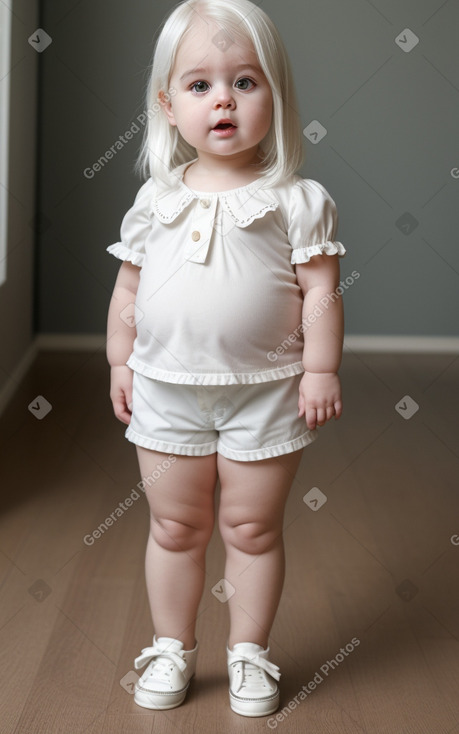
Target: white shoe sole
[(160, 701), (254, 707)]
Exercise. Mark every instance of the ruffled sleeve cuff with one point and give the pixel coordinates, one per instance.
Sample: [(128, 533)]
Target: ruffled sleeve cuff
[(304, 254), (124, 253), (313, 222), (135, 228)]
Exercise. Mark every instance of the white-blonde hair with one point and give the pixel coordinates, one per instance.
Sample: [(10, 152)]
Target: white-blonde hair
[(163, 148)]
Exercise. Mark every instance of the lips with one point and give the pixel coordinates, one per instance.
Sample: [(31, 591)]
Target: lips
[(224, 125)]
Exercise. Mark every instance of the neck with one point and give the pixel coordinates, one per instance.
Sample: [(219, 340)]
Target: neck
[(223, 166)]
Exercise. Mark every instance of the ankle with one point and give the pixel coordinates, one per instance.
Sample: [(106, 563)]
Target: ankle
[(256, 639), (188, 641)]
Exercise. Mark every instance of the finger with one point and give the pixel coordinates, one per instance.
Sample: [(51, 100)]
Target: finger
[(128, 398), (338, 409), (124, 416), (311, 418), (300, 406), (127, 407), (330, 412), (321, 416), (121, 412)]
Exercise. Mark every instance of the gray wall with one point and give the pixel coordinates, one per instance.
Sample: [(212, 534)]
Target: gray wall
[(16, 294), (391, 119)]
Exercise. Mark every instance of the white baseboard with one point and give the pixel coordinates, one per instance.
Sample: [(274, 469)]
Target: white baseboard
[(396, 343), (12, 383), (354, 342)]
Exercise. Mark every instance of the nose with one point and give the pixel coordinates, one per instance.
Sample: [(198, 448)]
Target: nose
[(224, 97)]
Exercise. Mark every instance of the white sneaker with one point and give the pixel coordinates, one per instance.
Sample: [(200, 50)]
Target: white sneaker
[(165, 682), (253, 690)]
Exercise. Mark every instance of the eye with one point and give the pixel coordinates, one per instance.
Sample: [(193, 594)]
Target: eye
[(245, 81), (199, 87)]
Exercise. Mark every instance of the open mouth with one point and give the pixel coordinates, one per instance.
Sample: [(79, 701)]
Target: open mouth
[(223, 126)]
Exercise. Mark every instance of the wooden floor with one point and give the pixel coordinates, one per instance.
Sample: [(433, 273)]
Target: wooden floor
[(374, 570)]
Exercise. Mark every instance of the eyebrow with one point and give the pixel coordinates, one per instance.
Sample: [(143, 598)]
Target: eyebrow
[(200, 70)]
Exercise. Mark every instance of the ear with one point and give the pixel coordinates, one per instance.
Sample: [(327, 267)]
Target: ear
[(164, 100)]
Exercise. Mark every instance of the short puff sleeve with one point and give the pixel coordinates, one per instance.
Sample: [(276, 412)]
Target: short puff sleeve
[(313, 222), (135, 228)]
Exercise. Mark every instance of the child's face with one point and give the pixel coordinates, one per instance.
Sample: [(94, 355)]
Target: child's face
[(228, 84)]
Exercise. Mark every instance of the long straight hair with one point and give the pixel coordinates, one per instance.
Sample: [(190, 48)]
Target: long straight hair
[(163, 148)]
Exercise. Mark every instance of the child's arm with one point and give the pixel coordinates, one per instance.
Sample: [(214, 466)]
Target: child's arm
[(120, 339), (320, 388)]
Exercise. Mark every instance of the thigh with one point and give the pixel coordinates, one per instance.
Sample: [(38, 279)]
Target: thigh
[(184, 490), (256, 491)]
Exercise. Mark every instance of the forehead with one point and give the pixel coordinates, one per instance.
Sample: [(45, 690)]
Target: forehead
[(207, 44)]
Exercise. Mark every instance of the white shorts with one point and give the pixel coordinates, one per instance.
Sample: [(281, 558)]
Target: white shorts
[(241, 422)]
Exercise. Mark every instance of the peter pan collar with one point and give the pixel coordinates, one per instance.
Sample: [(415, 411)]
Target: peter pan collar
[(243, 204)]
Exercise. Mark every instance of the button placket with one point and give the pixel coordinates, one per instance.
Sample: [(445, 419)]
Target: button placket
[(201, 230)]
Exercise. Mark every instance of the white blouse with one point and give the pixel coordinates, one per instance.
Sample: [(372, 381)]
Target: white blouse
[(218, 294)]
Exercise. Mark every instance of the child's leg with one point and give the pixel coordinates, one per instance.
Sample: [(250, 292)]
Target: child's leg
[(182, 518), (253, 496)]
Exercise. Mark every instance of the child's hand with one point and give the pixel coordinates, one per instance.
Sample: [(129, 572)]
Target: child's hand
[(320, 398), (121, 392)]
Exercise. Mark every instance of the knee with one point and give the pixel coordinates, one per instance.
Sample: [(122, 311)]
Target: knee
[(253, 538), (176, 536)]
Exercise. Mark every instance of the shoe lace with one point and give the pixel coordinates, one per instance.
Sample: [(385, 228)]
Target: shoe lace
[(250, 673), (164, 661)]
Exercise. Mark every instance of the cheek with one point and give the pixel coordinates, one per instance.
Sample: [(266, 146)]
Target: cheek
[(186, 113), (179, 107)]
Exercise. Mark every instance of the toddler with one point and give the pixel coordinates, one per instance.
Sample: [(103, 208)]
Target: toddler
[(219, 366)]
